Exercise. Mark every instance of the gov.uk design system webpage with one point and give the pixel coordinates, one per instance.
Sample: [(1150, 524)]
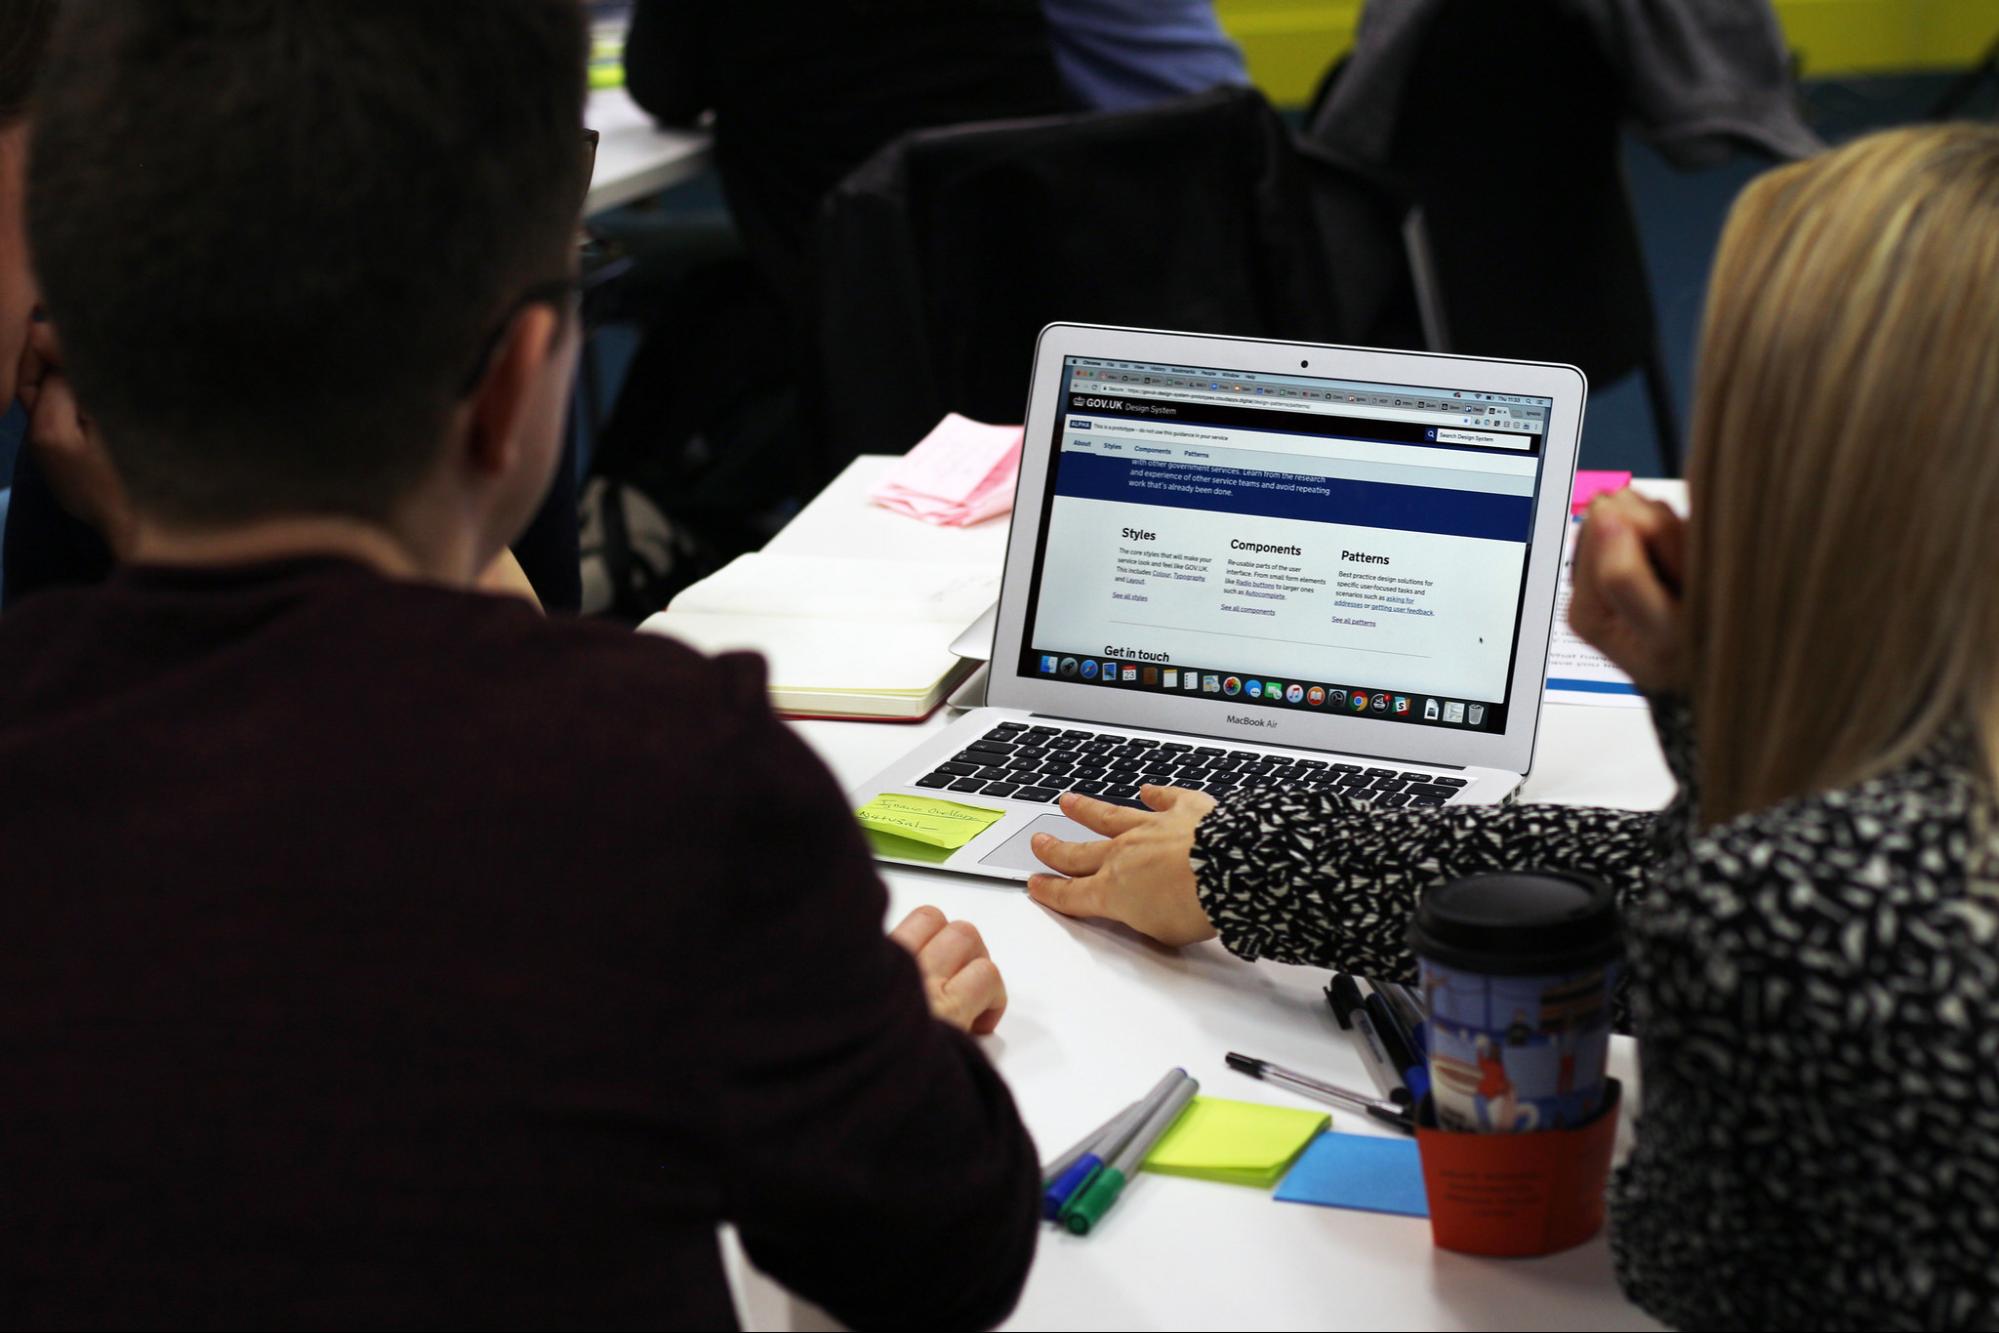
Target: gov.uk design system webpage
[(1299, 546)]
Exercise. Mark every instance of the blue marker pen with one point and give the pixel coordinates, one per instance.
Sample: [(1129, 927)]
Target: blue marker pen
[(1078, 1175), (1401, 1047)]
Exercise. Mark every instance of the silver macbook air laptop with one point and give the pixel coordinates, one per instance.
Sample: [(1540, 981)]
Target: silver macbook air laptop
[(1246, 564)]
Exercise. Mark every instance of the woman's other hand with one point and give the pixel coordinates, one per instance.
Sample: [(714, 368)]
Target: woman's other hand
[(1629, 569)]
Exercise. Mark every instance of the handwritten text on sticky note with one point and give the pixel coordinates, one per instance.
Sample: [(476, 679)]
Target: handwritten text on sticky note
[(927, 819)]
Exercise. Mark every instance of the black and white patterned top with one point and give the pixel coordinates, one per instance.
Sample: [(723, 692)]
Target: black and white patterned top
[(1815, 988)]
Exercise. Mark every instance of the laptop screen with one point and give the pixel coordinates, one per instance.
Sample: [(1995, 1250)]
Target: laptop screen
[(1286, 542)]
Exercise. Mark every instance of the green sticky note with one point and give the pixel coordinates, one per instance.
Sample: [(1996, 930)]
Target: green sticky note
[(926, 819), (1241, 1143), (905, 849)]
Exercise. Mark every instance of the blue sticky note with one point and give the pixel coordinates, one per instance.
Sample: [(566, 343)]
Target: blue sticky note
[(1373, 1174)]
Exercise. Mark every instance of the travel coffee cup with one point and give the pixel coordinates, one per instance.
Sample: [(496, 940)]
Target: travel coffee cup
[(1517, 971)]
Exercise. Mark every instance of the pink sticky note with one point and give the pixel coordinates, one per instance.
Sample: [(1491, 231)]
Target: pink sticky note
[(1589, 485), (960, 473)]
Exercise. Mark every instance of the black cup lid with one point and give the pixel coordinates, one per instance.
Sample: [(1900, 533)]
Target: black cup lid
[(1518, 923)]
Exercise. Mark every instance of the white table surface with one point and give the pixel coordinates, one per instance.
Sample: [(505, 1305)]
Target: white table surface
[(1097, 1013), (636, 157)]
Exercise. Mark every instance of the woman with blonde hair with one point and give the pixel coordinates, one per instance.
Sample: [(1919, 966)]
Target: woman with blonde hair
[(1813, 923)]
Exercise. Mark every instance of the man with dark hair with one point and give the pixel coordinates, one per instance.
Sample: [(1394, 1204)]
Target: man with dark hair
[(330, 1000)]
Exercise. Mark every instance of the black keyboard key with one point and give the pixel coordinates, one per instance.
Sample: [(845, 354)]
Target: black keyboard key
[(1386, 785), (957, 770), (1244, 754), (1044, 731), (1415, 777), (1393, 800), (1449, 782), (1353, 782), (1435, 791), (1091, 772), (1146, 743), (1226, 781), (1056, 781), (1080, 735), (968, 784), (1089, 789), (995, 774), (1346, 768), (1063, 744), (1155, 780), (981, 758), (1424, 800), (1001, 789), (1177, 747), (1041, 794), (1115, 738), (1207, 750), (997, 747), (1008, 726), (1308, 763), (935, 780), (1381, 772)]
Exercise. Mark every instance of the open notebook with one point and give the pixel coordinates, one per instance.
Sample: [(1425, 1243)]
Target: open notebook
[(844, 637)]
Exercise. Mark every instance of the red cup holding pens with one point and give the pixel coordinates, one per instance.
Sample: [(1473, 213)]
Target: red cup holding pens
[(1517, 975)]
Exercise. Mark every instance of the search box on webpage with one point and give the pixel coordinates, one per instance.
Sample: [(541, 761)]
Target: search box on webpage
[(1485, 438)]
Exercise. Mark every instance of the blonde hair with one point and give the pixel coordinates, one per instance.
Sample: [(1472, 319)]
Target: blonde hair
[(1843, 561)]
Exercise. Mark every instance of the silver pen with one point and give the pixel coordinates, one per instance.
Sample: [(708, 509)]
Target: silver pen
[(1388, 1113)]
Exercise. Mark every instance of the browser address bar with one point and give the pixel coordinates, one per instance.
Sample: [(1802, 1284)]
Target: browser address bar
[(1420, 416)]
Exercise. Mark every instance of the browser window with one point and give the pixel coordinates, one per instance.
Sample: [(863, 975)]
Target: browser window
[(1287, 541)]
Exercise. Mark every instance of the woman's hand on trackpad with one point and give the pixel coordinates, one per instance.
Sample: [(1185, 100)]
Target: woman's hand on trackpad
[(1141, 877)]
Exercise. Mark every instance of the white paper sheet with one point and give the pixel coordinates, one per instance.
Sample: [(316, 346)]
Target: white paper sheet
[(1578, 673)]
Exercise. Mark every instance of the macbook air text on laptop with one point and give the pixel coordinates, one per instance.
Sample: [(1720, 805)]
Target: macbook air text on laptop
[(1239, 564)]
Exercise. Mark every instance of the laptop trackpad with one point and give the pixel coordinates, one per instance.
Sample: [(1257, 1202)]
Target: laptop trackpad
[(1017, 852)]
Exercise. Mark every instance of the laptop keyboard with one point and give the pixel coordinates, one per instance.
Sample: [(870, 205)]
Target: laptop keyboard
[(1017, 762)]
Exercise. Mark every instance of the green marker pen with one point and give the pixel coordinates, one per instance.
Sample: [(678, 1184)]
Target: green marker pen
[(1063, 1193), (1096, 1198)]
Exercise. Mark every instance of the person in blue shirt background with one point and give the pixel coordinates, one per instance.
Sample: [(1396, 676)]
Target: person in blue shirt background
[(1119, 54)]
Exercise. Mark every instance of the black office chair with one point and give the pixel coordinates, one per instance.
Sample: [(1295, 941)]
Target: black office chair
[(943, 256), (1509, 141)]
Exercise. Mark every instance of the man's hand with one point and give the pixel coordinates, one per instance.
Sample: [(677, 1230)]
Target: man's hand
[(67, 445), (1629, 571), (1141, 876), (959, 976)]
